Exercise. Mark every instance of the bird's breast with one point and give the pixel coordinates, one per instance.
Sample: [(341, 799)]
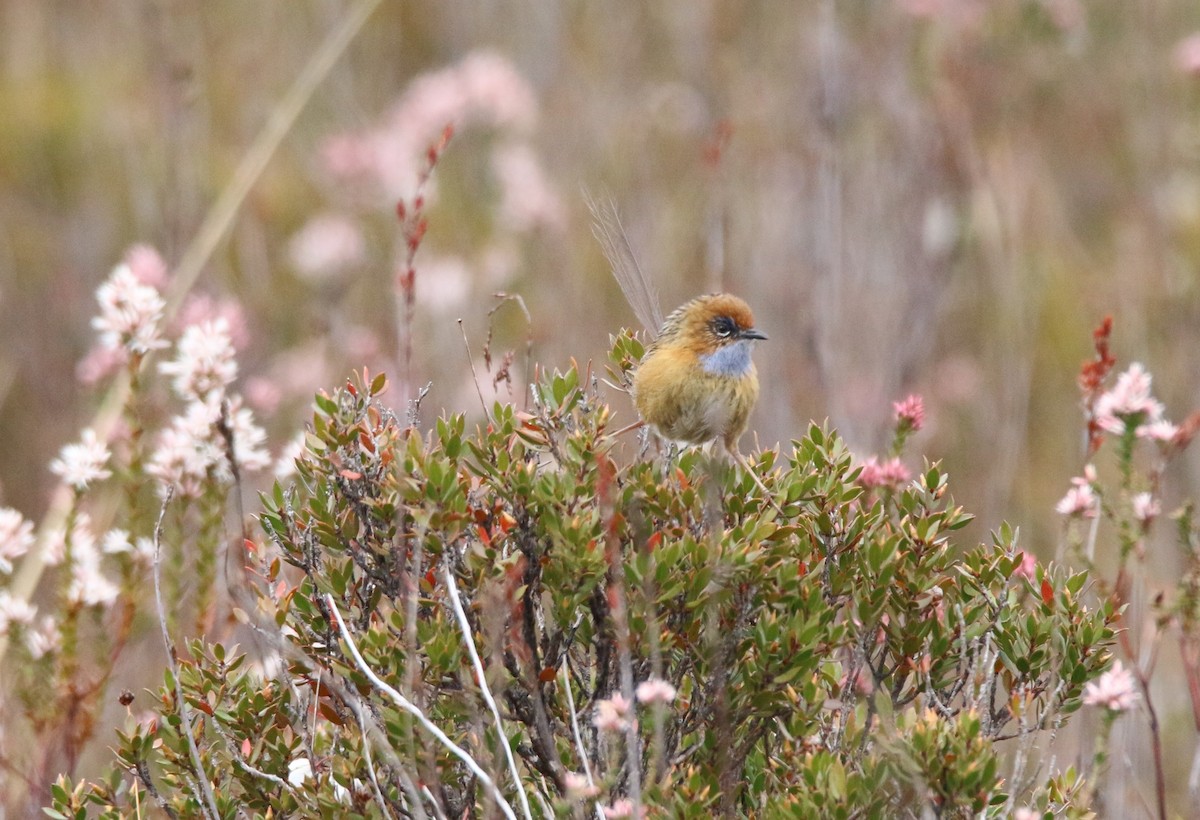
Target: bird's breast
[(731, 360)]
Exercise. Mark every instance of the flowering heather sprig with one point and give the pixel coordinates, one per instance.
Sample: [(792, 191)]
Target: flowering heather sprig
[(1115, 690), (192, 450), (82, 463), (1130, 403), (204, 364), (1092, 375), (413, 225), (16, 537), (130, 313), (910, 413)]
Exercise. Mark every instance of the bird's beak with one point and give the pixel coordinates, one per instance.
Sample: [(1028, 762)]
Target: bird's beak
[(751, 333)]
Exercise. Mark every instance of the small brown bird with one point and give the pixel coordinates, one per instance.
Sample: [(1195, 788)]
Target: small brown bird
[(697, 383)]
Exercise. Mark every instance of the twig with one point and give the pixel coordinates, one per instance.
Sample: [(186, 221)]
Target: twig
[(366, 741), (474, 375), (565, 672), (209, 798), (405, 704), (465, 626)]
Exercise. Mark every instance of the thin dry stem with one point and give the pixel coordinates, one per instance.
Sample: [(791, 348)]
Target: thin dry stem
[(408, 706)]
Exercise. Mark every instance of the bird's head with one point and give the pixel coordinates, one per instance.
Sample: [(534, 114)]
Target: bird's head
[(718, 328), (710, 322)]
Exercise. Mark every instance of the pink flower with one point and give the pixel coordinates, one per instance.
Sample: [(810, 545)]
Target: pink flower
[(1115, 690), (327, 245), (622, 808), (1145, 508), (890, 474), (1028, 566), (1128, 401), (527, 199), (147, 266), (579, 787), (655, 690), (1081, 499), (1161, 430), (1187, 55), (910, 413), (611, 714), (81, 464)]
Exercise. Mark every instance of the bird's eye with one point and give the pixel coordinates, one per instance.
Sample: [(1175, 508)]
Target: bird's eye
[(723, 326)]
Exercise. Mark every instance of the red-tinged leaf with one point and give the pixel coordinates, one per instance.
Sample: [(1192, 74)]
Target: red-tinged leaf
[(351, 389), (653, 541), (506, 522), (1047, 591), (401, 210), (251, 547), (350, 475), (365, 440), (330, 714), (483, 535), (429, 577), (246, 747), (547, 674), (204, 707)]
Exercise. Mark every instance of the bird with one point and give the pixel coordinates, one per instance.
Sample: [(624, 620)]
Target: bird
[(697, 382)]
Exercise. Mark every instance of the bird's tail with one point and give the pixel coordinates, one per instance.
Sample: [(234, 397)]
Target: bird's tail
[(638, 289)]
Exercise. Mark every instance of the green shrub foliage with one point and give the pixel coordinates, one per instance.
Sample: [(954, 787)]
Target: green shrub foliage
[(832, 652)]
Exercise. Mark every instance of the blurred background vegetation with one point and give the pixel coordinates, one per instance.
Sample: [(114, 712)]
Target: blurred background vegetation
[(933, 196)]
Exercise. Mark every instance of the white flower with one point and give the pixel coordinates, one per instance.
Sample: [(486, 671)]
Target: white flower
[(655, 691), (248, 439), (204, 363), (115, 542), (1145, 507), (16, 537), (82, 463), (285, 465), (1115, 690), (14, 611), (44, 639), (130, 313), (89, 586)]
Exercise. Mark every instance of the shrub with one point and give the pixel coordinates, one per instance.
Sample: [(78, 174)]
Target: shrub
[(519, 619)]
